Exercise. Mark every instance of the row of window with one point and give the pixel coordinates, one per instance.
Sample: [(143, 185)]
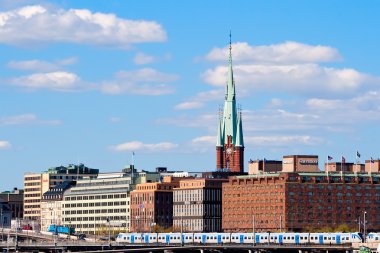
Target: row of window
[(116, 203), (109, 196), (96, 211)]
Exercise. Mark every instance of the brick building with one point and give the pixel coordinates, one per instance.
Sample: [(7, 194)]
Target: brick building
[(298, 201), (152, 205), (197, 205)]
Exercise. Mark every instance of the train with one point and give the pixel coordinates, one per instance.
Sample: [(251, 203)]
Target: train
[(56, 229), (239, 238), (373, 237)]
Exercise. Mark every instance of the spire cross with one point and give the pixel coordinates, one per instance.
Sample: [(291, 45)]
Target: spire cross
[(230, 41), (230, 48)]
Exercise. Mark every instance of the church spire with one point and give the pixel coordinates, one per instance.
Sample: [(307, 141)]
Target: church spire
[(229, 143)]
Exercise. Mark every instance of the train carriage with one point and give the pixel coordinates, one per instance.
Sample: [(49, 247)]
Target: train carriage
[(244, 238)]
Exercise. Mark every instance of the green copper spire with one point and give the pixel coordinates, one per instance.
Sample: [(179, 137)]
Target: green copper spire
[(219, 140), (239, 131), (230, 123), (229, 114)]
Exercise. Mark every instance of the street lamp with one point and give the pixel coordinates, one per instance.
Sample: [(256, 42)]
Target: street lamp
[(364, 225)]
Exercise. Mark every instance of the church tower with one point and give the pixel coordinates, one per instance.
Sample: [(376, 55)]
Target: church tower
[(229, 143)]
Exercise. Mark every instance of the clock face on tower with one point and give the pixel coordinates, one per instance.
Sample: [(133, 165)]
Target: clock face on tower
[(229, 151)]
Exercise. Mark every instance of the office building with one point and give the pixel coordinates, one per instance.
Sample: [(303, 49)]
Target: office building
[(36, 184), (197, 205), (15, 200), (152, 205)]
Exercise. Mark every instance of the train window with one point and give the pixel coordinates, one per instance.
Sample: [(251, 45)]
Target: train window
[(190, 237), (325, 238), (128, 238), (262, 237), (292, 237), (171, 237), (271, 237), (333, 238), (228, 237), (245, 237), (301, 237), (223, 238), (250, 238), (208, 237), (377, 238), (266, 237)]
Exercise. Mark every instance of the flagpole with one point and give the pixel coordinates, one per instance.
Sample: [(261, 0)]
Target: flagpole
[(327, 168), (370, 167)]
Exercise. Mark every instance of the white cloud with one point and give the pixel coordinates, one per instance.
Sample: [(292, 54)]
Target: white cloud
[(144, 81), (5, 145), (140, 146), (115, 120), (290, 67), (283, 140), (287, 52), (189, 105), (24, 119), (41, 66), (296, 79), (57, 81), (39, 24), (141, 59), (199, 100)]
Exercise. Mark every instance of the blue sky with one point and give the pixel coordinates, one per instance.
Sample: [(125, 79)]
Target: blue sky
[(92, 81)]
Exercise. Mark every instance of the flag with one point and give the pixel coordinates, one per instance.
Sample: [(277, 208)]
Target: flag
[(329, 158), (372, 161), (357, 154), (343, 159)]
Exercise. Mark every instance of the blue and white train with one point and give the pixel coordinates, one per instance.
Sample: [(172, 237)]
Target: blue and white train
[(239, 238)]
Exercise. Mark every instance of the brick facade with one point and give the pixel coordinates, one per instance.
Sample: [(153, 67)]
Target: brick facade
[(300, 201)]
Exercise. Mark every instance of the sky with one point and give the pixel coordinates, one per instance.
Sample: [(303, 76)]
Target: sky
[(90, 82)]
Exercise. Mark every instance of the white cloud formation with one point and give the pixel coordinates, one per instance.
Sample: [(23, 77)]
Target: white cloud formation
[(140, 146), (287, 52), (57, 81), (189, 105), (199, 100), (41, 66), (141, 59), (5, 145), (146, 81), (39, 24), (115, 120), (283, 140), (24, 119), (289, 67), (304, 79)]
